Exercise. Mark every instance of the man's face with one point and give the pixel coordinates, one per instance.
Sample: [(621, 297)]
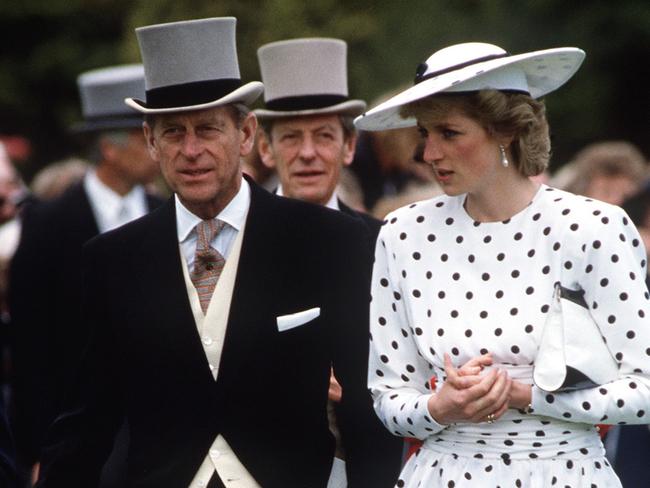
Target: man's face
[(133, 161), (199, 155), (308, 154)]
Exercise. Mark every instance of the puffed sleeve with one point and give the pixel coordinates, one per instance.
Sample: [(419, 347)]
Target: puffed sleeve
[(398, 376), (611, 270)]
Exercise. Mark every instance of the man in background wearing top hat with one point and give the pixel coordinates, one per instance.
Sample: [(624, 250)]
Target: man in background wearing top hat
[(45, 281), (217, 317), (308, 134), (308, 137)]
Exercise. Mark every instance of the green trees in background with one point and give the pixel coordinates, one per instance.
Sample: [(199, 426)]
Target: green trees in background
[(47, 43)]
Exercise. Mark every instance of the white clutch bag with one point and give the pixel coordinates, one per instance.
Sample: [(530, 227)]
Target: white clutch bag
[(572, 354)]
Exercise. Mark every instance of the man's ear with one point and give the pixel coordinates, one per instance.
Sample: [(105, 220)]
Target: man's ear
[(349, 146), (265, 148), (248, 129), (107, 149), (151, 143)]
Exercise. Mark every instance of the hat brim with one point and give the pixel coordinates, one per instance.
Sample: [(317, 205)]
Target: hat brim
[(114, 123), (540, 81), (246, 94), (351, 108)]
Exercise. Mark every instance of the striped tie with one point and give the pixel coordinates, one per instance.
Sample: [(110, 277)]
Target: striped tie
[(208, 262)]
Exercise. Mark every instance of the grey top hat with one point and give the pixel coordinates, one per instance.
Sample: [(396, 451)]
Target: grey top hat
[(102, 93), (191, 65), (306, 77)]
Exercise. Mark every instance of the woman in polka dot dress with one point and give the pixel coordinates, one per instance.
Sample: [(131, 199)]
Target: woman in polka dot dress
[(462, 285)]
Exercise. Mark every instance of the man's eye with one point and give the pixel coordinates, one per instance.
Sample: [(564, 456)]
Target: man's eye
[(448, 133), (171, 131), (423, 132)]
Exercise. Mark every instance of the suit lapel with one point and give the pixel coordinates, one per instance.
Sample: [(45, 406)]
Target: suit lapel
[(164, 290), (347, 210), (82, 216), (252, 299), (153, 201)]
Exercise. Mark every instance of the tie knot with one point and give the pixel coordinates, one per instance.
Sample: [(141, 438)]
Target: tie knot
[(206, 231)]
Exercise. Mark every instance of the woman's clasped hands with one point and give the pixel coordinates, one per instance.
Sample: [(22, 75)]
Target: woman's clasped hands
[(469, 394)]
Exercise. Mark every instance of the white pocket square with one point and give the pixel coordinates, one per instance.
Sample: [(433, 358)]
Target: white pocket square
[(286, 322)]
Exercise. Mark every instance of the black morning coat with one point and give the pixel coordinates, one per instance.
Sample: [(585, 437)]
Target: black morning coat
[(145, 360), (44, 301)]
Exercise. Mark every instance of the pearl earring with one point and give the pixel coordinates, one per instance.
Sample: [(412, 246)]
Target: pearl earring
[(504, 158)]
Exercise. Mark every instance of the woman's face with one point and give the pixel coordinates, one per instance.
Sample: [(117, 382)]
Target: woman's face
[(465, 158)]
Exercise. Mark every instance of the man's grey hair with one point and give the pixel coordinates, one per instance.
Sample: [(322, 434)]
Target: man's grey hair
[(239, 111), (116, 137)]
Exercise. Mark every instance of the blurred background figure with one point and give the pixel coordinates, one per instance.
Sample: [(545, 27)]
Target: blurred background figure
[(45, 276), (610, 171), (638, 208), (12, 189), (13, 195), (388, 166), (53, 180), (8, 472)]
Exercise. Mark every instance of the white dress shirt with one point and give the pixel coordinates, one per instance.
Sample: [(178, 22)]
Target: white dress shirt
[(332, 203), (211, 327), (110, 209), (234, 215)]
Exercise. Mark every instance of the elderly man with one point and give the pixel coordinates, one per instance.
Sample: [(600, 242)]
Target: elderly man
[(45, 276), (308, 137), (217, 317)]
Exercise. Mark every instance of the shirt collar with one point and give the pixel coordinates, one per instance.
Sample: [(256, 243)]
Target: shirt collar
[(333, 202), (108, 201), (234, 214)]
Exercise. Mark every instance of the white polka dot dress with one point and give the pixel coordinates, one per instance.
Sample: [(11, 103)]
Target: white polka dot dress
[(443, 283)]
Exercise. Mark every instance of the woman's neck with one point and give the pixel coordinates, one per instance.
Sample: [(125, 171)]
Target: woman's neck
[(501, 201)]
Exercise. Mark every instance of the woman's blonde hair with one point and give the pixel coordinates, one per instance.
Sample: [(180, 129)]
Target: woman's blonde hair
[(513, 115)]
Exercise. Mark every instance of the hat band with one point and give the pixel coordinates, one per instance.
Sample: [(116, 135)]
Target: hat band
[(193, 93), (422, 67), (304, 102)]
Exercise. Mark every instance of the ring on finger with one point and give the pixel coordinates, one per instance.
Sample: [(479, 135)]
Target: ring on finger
[(490, 418)]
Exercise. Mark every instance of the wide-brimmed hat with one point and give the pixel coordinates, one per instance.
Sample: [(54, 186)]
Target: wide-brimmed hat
[(102, 93), (306, 77), (191, 65), (477, 66)]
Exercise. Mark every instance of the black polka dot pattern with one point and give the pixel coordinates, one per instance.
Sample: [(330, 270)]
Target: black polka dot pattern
[(465, 289)]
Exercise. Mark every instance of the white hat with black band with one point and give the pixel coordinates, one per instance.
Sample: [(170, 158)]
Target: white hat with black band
[(476, 66)]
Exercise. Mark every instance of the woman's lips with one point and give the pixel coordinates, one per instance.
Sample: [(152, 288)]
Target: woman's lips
[(443, 175)]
